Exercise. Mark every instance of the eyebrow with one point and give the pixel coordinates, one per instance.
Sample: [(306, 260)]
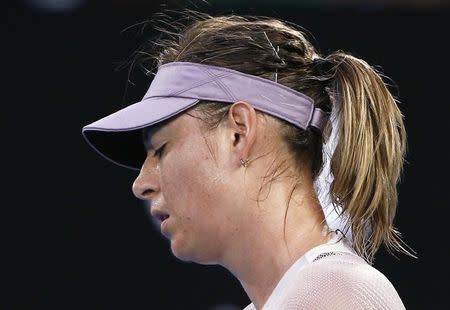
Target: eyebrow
[(149, 132)]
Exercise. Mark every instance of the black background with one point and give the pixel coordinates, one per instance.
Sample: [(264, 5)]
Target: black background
[(74, 236)]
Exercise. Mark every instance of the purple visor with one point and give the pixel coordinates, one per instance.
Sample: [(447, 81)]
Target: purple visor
[(179, 86)]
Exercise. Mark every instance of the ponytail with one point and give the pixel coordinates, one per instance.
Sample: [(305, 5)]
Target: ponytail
[(369, 155)]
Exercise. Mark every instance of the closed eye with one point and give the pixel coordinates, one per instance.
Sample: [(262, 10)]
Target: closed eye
[(159, 151)]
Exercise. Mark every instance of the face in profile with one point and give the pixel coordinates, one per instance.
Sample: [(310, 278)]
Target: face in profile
[(191, 189)]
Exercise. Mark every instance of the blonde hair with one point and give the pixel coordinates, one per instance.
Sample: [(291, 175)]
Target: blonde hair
[(369, 155), (368, 160)]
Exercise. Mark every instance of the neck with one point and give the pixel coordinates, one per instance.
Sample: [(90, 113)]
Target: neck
[(273, 240)]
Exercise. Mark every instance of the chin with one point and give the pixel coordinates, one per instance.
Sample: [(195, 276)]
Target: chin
[(195, 255)]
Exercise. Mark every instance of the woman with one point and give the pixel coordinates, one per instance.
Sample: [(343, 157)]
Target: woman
[(248, 142)]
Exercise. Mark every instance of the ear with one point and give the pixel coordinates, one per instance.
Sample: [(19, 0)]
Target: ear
[(242, 121)]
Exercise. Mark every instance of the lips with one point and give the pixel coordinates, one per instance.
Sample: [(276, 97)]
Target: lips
[(163, 217), (159, 214)]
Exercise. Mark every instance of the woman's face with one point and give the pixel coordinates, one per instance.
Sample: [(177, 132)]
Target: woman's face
[(197, 191)]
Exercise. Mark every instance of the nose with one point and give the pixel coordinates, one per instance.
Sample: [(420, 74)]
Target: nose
[(146, 185)]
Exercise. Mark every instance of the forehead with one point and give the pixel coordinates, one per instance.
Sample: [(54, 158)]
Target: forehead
[(172, 126)]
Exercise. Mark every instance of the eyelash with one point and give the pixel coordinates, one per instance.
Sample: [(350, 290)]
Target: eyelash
[(159, 151)]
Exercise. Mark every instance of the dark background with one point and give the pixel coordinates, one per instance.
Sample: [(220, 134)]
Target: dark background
[(74, 236)]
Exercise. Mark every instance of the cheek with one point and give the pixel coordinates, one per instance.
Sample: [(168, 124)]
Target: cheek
[(193, 184)]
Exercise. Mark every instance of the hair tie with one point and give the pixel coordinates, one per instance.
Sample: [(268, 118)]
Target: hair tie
[(322, 66)]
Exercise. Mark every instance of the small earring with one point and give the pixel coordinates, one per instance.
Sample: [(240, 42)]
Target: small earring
[(244, 162)]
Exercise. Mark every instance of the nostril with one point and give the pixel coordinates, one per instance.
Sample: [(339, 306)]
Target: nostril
[(147, 193)]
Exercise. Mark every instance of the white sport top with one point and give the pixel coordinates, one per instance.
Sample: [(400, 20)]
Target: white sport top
[(332, 276)]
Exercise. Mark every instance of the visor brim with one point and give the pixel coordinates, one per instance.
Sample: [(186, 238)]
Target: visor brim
[(118, 136)]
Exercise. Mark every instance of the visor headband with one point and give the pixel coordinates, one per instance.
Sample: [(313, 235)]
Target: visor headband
[(205, 82)]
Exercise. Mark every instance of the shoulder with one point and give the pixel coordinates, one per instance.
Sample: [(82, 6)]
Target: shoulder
[(342, 282)]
